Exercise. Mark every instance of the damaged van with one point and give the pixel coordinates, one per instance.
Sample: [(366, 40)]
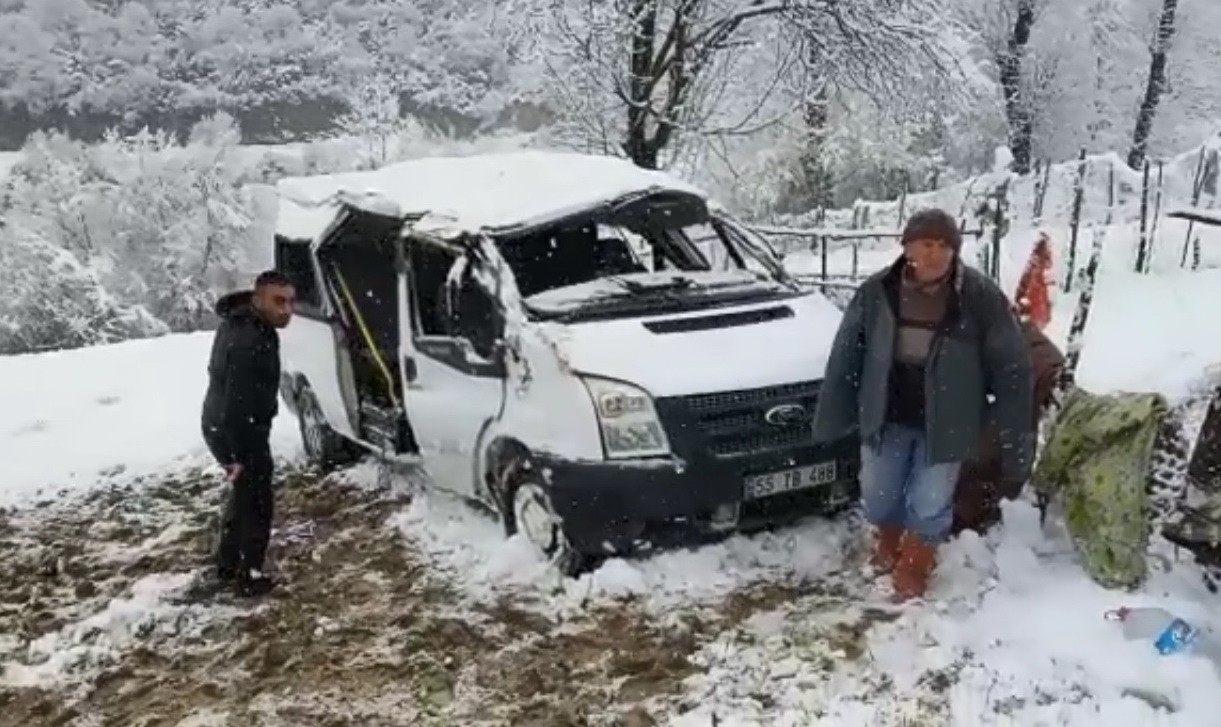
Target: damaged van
[(593, 350)]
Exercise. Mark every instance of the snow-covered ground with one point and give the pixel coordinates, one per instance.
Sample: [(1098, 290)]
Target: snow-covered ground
[(131, 408), (789, 633)]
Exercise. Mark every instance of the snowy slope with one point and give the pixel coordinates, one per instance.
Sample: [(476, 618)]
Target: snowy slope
[(71, 417)]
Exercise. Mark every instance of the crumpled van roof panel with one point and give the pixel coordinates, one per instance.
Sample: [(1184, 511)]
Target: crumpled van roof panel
[(468, 193)]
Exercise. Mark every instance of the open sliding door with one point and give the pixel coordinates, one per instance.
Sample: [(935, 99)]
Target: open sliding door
[(359, 264)]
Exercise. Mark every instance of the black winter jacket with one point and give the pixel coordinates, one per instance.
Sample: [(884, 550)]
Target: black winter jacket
[(243, 381)]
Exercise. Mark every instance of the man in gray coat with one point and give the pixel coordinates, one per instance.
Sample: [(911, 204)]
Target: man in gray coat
[(928, 353)]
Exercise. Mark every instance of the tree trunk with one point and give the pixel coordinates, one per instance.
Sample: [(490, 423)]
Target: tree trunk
[(1157, 83), (1018, 113), (816, 177), (637, 145)]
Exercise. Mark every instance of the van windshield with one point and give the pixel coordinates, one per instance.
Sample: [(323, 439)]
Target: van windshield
[(593, 269)]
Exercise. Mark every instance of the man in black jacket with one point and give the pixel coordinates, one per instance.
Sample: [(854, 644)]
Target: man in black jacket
[(243, 388)]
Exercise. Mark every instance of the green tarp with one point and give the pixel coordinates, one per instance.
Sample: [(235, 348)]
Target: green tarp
[(1097, 461)]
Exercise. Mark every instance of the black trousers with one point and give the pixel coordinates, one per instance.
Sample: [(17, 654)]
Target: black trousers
[(245, 518)]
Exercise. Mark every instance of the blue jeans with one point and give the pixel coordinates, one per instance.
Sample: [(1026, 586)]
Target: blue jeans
[(899, 488)]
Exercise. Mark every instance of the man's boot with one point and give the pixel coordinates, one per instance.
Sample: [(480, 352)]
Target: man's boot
[(252, 585), (209, 583), (914, 568), (886, 542)]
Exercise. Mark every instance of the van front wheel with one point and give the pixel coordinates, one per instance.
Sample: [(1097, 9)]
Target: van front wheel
[(532, 514)]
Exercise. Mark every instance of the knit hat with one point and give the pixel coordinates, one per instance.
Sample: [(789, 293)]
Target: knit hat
[(933, 224)]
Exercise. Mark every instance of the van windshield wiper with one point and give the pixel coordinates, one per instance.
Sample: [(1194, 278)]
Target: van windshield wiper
[(636, 287)]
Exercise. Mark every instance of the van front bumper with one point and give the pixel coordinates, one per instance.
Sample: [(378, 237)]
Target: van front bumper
[(619, 506)]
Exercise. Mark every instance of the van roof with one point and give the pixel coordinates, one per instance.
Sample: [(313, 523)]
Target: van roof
[(460, 194)]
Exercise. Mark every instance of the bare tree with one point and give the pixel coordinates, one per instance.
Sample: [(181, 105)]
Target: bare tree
[(1159, 52), (670, 68)]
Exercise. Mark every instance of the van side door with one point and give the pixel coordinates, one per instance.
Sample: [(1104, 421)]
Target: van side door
[(312, 348), (454, 372)]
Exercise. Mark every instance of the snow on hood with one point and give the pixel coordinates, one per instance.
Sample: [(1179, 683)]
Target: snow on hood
[(779, 351), (573, 296)]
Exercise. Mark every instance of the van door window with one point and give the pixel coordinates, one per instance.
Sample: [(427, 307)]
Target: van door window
[(295, 259), (459, 324), (473, 316), (430, 266)]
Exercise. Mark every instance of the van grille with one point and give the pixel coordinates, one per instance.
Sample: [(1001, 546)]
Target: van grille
[(733, 423)]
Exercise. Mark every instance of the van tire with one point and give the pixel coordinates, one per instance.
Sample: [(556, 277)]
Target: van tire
[(526, 507), (325, 448)]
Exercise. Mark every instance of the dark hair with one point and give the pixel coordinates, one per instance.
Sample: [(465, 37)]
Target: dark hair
[(272, 277), (933, 224)]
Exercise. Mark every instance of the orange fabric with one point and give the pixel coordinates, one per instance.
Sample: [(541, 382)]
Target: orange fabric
[(1033, 296)]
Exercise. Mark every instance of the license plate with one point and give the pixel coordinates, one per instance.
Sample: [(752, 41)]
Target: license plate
[(801, 478)]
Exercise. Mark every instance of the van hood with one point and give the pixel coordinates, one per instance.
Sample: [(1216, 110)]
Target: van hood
[(721, 349)]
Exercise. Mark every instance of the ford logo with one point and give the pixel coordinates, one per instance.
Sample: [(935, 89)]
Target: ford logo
[(786, 415)]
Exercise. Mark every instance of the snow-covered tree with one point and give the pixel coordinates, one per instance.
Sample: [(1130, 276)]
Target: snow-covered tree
[(1159, 52), (637, 77), (137, 223), (52, 301), (374, 118)]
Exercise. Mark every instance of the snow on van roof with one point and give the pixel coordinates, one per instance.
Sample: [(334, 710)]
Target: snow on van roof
[(467, 193)]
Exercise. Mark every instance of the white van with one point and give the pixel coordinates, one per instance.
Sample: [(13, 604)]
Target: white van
[(589, 348)]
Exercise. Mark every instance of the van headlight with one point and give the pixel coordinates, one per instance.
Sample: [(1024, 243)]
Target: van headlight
[(630, 427)]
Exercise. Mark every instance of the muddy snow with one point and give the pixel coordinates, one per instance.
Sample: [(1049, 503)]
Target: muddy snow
[(370, 627), (98, 632), (401, 606)]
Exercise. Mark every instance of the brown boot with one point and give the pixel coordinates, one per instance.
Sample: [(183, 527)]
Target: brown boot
[(886, 541), (914, 567)]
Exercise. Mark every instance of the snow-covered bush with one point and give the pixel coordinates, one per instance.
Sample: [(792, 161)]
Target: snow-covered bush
[(137, 224), (52, 301), (139, 235)]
